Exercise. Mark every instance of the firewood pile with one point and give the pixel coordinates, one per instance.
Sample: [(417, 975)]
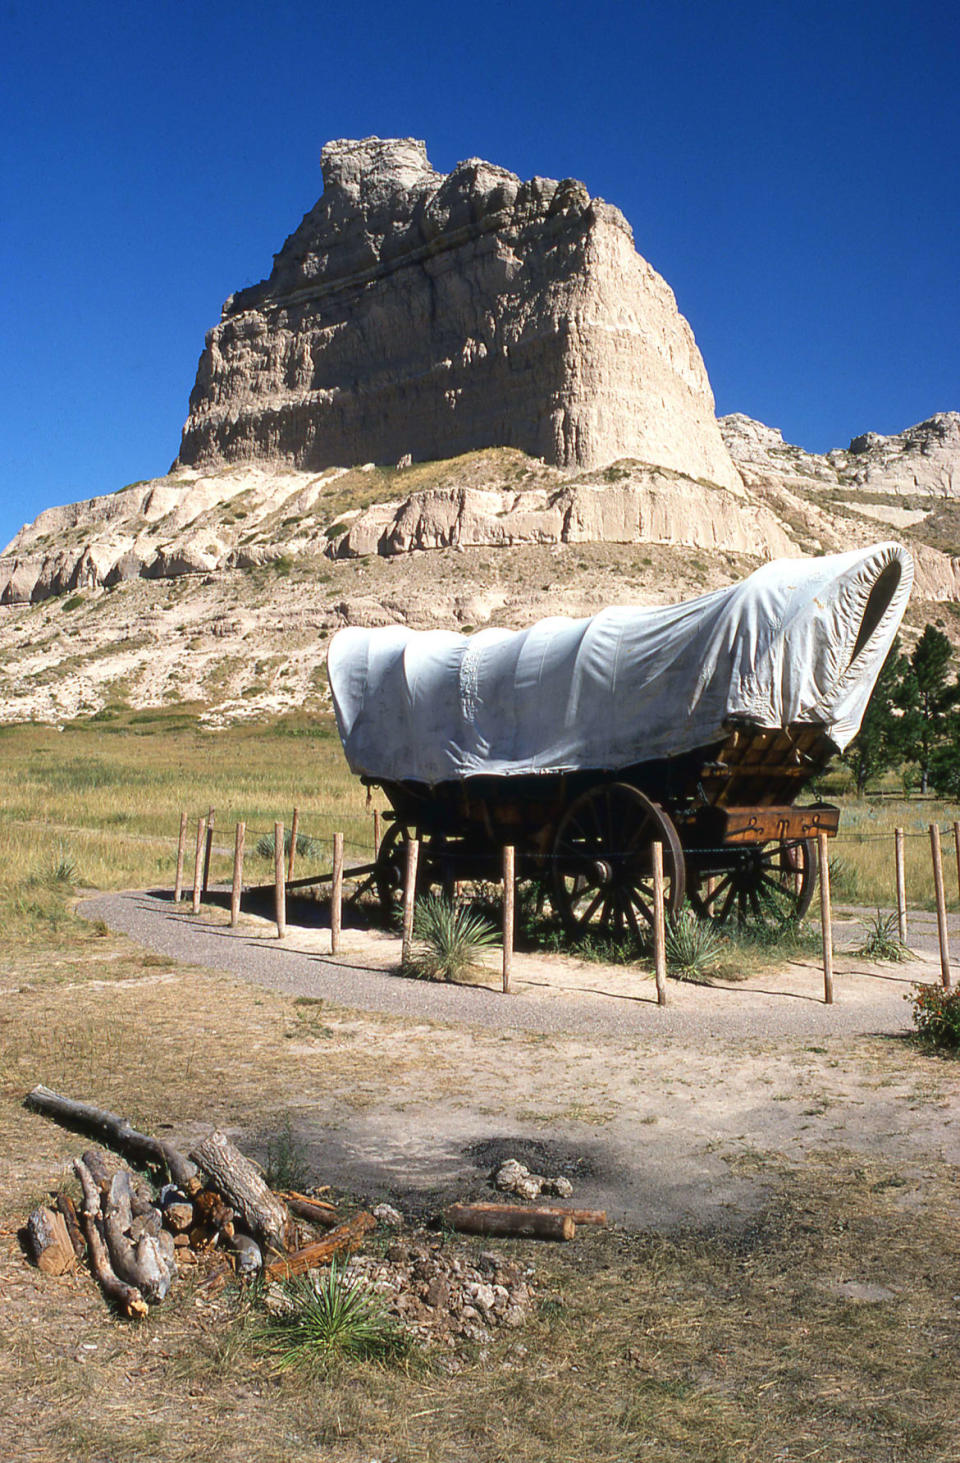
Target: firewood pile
[(215, 1212), (216, 1216)]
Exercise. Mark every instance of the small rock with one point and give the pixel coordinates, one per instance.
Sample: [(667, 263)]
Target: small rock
[(386, 1214), (510, 1172), (481, 1295), (438, 1292)]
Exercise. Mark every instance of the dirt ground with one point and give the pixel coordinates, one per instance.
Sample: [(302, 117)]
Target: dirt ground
[(779, 1280), (649, 1111)]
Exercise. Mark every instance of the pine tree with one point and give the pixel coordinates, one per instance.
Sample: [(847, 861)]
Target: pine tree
[(927, 695), (878, 745)]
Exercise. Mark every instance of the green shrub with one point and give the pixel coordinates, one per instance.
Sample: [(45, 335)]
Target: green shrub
[(450, 937), (844, 878), (693, 946), (286, 1163), (325, 1318), (882, 940), (307, 847), (936, 1015)]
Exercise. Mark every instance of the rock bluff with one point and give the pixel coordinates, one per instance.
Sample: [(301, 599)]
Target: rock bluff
[(419, 314)]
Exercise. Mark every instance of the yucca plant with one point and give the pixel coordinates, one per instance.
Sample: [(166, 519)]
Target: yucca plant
[(449, 938), (693, 946), (323, 1318), (62, 866), (882, 938)]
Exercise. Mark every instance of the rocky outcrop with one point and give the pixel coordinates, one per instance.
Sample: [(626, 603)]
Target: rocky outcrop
[(419, 315), (639, 505), (921, 461), (162, 529)]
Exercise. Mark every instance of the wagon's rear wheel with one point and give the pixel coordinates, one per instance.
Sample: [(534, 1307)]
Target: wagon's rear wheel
[(603, 862), (768, 884)]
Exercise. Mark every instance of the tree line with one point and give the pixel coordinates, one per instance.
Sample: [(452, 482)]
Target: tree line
[(913, 720)]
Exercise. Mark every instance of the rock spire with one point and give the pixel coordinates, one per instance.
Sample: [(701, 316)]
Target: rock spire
[(419, 314)]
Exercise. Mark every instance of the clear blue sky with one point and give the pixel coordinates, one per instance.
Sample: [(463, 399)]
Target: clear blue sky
[(790, 168)]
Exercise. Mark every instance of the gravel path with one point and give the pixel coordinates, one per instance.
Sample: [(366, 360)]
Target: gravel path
[(787, 1004)]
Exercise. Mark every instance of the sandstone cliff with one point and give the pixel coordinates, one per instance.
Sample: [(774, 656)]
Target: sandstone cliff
[(922, 461), (422, 315)]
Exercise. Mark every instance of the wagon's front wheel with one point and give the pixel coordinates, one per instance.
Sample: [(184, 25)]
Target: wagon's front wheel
[(603, 862)]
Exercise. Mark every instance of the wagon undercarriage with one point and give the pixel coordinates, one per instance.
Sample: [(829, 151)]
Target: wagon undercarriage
[(733, 842)]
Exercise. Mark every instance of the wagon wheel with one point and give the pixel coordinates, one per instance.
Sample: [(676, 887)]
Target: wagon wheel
[(390, 869), (603, 864), (768, 884)]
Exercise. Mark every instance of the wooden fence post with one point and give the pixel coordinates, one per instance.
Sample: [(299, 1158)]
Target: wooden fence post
[(294, 830), (237, 888), (901, 888), (941, 905), (409, 896), (509, 898), (336, 893), (280, 890), (826, 918), (659, 927), (956, 839), (376, 833), (181, 850), (198, 864), (207, 852)]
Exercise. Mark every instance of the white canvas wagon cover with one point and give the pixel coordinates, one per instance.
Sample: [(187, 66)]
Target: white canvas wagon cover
[(800, 640)]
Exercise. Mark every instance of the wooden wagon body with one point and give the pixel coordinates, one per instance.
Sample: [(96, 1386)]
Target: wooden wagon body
[(735, 842)]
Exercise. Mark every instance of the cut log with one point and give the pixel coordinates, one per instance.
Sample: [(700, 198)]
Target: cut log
[(149, 1223), (126, 1298), (168, 1253), (249, 1255), (323, 1215), (235, 1177), (101, 1171), (50, 1242), (209, 1209), (178, 1217), (342, 1240), (509, 1219), (117, 1133), (140, 1264), (68, 1209), (579, 1216)]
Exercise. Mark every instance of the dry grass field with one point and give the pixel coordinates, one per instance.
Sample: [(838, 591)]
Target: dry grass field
[(820, 1321)]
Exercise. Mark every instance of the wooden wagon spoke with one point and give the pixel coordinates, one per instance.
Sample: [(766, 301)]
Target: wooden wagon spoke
[(728, 903), (633, 921), (645, 909), (595, 903)]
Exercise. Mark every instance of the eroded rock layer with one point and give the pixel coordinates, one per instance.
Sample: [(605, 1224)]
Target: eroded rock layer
[(423, 315)]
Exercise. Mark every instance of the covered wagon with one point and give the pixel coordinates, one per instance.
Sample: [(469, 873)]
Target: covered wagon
[(583, 742)]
